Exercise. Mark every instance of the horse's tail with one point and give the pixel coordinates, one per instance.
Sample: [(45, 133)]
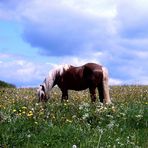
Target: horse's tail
[(106, 86)]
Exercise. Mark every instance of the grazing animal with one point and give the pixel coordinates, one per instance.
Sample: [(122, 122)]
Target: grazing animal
[(68, 77)]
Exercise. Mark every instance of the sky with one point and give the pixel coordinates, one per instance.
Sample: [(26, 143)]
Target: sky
[(37, 35)]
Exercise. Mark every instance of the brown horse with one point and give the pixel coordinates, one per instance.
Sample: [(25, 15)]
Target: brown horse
[(68, 77)]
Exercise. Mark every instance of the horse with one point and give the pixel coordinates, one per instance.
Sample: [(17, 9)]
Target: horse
[(90, 76)]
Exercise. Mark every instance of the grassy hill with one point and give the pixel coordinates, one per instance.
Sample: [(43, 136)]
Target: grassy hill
[(5, 84)]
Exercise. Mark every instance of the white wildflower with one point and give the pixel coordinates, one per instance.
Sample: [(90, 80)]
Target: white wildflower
[(86, 115), (74, 146)]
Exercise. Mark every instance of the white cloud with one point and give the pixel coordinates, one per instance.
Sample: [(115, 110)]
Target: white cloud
[(4, 55), (34, 8), (21, 72), (141, 54), (113, 33), (76, 61), (113, 81), (65, 26)]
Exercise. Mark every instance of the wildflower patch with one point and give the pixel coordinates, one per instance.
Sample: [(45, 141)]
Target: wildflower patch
[(74, 123)]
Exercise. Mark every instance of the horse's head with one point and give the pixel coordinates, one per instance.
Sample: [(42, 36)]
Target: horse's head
[(41, 93), (50, 81)]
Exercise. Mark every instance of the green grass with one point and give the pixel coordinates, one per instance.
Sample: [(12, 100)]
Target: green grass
[(26, 123)]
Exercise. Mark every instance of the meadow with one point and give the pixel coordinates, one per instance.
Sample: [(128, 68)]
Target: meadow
[(76, 123)]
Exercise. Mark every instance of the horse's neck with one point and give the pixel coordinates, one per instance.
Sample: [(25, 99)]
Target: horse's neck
[(50, 80), (54, 74)]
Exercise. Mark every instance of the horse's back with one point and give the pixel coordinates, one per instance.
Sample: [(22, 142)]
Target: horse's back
[(73, 79), (93, 66), (80, 78), (89, 70)]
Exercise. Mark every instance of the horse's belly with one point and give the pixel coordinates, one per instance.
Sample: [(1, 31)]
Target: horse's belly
[(78, 88), (80, 85)]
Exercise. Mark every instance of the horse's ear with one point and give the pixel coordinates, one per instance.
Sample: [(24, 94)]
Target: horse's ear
[(43, 88)]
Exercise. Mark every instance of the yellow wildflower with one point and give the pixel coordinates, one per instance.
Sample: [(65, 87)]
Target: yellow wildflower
[(53, 117), (24, 107), (23, 112), (30, 114), (113, 109), (67, 120), (14, 110)]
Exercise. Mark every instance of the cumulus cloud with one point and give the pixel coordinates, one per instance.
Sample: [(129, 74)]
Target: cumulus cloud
[(21, 72), (62, 28), (113, 33)]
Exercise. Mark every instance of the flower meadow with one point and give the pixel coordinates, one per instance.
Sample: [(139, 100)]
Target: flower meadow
[(76, 123)]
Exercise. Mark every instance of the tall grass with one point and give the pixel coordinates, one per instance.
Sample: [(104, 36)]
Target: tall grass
[(74, 123)]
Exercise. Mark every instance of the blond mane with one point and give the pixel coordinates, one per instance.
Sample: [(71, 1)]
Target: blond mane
[(62, 68), (49, 80)]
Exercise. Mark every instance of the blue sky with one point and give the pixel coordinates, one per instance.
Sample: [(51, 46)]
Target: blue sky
[(36, 35)]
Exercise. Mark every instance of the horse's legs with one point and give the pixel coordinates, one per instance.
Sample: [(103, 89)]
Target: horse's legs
[(92, 94), (101, 92), (64, 95)]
